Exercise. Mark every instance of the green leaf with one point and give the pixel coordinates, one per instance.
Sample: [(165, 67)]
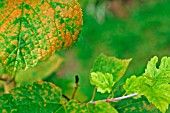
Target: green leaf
[(151, 69), (45, 97), (103, 82), (75, 107), (111, 65), (132, 85), (153, 84), (158, 75), (39, 72), (40, 98), (140, 105), (0, 70), (30, 32), (101, 107)]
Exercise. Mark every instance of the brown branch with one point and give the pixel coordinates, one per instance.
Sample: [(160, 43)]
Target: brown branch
[(65, 97), (75, 88), (2, 79), (9, 83), (94, 93), (6, 80)]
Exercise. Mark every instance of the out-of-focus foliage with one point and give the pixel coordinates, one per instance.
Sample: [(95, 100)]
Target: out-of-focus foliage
[(140, 36), (154, 83), (39, 72), (30, 31)]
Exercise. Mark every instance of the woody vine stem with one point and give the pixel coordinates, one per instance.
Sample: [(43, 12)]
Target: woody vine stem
[(94, 92), (115, 99)]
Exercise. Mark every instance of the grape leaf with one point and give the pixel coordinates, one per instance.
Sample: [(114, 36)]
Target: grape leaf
[(103, 82), (41, 98), (32, 30), (101, 107), (153, 84), (111, 65)]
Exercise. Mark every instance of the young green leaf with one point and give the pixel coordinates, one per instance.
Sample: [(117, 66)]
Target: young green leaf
[(39, 98), (111, 65), (30, 31), (132, 85), (154, 83), (103, 82), (162, 74)]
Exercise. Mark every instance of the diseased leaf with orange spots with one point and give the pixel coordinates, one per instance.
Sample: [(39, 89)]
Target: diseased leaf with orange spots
[(45, 97), (101, 107), (140, 105), (32, 30), (39, 98), (74, 106)]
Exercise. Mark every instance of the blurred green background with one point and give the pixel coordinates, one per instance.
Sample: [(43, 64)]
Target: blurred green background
[(137, 29)]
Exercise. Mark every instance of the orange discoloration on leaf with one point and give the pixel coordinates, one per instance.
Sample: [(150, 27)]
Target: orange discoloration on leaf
[(149, 107), (4, 111), (15, 14), (14, 42), (33, 30), (45, 105), (40, 82), (4, 54), (30, 88), (73, 37)]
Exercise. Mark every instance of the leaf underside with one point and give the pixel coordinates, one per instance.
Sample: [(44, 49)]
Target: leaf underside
[(32, 30)]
